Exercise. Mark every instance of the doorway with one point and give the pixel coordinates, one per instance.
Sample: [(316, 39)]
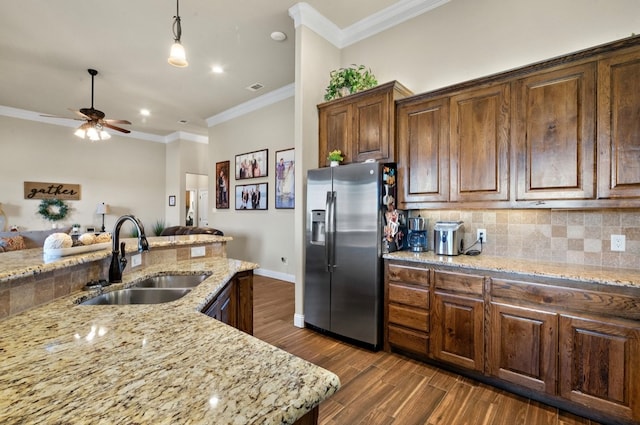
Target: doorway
[(196, 200)]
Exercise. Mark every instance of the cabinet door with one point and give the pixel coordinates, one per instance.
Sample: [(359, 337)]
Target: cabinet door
[(371, 120), (599, 365), (335, 132), (244, 287), (619, 126), (227, 305), (555, 134), (423, 151), (523, 346), (457, 330), (480, 132)]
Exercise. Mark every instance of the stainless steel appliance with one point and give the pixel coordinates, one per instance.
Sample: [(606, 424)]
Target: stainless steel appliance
[(418, 234), (447, 237), (344, 233)]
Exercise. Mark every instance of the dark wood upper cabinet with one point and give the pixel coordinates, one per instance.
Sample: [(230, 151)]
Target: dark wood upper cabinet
[(479, 145), (554, 134), (619, 126), (361, 125), (423, 146)]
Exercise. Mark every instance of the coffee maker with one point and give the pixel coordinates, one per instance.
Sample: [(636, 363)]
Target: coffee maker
[(418, 234)]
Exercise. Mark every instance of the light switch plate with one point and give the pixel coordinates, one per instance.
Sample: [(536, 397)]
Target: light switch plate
[(136, 260), (197, 251)]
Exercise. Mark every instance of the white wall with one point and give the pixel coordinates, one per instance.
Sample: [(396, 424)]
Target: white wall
[(466, 39), (183, 157), (260, 236), (122, 172)]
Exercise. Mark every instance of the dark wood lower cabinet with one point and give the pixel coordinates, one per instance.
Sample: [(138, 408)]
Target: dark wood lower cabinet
[(570, 344), (523, 346), (600, 365), (234, 304), (457, 330)]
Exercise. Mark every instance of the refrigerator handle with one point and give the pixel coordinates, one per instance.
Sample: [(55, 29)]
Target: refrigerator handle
[(330, 231)]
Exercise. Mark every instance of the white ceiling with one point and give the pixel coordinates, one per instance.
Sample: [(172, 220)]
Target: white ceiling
[(47, 46)]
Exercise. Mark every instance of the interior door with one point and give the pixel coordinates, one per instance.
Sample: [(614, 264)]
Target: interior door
[(203, 202)]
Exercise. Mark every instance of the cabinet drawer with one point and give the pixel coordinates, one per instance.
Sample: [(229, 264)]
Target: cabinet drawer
[(458, 282), (409, 295), (410, 340), (407, 274), (624, 306), (410, 317)]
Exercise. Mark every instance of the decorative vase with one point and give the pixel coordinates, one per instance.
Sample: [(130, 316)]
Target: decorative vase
[(335, 163), (344, 91)]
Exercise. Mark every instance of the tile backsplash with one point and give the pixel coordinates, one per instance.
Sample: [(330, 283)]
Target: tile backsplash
[(574, 237)]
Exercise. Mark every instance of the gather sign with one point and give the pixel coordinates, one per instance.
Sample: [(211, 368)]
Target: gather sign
[(45, 190)]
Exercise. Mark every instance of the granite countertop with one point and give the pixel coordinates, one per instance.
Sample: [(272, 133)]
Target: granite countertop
[(590, 274), (26, 262), (150, 364)]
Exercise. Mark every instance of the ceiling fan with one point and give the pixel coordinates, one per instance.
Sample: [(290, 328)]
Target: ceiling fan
[(95, 121)]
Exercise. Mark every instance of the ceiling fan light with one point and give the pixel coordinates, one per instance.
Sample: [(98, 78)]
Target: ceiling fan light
[(80, 132), (93, 134), (104, 135), (177, 56)]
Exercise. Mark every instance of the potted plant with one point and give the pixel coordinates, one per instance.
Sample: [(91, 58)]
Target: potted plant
[(158, 227), (345, 81), (335, 157)]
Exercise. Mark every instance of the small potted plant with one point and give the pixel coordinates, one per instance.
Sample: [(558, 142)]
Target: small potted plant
[(335, 157), (345, 81)]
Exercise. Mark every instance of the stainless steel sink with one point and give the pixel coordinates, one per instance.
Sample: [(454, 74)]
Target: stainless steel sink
[(172, 281), (138, 296)]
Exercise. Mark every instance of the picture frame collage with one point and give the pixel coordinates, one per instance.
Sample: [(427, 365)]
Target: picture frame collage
[(255, 196)]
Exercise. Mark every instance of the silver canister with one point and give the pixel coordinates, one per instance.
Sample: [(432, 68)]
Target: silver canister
[(448, 238)]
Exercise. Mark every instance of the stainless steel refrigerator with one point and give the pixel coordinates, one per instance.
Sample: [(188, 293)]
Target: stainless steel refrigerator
[(344, 233)]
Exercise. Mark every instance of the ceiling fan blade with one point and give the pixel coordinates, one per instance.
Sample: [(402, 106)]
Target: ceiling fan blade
[(117, 122), (75, 111), (113, 127)]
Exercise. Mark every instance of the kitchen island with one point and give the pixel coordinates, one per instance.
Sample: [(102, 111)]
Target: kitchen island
[(158, 364)]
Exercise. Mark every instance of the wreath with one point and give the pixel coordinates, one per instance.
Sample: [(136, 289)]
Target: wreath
[(58, 212)]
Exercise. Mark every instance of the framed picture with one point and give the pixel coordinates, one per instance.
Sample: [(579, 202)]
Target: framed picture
[(172, 200), (253, 164), (251, 196), (285, 172), (222, 184)]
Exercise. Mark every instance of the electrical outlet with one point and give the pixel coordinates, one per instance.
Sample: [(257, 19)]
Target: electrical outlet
[(197, 251), (136, 260), (618, 243), (482, 233)]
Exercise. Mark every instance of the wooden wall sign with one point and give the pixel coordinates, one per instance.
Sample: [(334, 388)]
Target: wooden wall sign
[(44, 190)]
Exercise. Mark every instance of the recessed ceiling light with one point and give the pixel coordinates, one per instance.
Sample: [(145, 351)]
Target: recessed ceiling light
[(278, 36), (145, 112), (217, 69)]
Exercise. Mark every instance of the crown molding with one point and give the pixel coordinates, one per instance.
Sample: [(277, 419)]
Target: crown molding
[(190, 137), (304, 14), (23, 114), (253, 105)]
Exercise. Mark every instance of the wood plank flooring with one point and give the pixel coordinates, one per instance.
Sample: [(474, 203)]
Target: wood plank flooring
[(383, 388)]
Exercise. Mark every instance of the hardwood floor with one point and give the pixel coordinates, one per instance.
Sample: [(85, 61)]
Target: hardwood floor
[(383, 388)]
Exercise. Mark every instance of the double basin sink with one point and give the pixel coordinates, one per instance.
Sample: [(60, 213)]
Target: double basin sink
[(153, 290)]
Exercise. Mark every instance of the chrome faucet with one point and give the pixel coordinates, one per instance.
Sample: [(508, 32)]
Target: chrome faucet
[(118, 260)]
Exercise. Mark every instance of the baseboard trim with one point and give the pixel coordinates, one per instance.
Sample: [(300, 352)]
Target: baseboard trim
[(298, 320), (275, 275)]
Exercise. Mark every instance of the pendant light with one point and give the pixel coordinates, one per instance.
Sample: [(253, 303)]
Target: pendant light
[(177, 57)]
